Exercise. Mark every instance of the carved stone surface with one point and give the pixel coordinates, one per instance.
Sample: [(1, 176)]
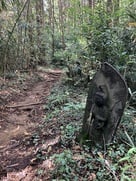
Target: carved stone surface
[(105, 104)]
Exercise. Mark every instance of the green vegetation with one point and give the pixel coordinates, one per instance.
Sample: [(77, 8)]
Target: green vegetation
[(58, 33), (73, 162)]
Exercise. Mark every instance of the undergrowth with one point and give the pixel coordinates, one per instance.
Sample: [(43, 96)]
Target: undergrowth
[(65, 108)]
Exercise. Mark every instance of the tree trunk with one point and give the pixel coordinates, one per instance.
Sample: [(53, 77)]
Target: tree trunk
[(40, 23), (61, 22), (109, 6), (52, 25), (116, 8), (109, 12), (91, 3), (30, 59)]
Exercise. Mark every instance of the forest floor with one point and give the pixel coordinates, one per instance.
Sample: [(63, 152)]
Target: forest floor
[(21, 111), (41, 115)]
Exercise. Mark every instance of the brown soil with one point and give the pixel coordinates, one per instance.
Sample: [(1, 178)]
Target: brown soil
[(20, 115)]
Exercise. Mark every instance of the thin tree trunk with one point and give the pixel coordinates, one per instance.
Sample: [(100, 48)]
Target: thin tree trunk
[(5, 63), (116, 8), (109, 12), (61, 22), (51, 18), (91, 3), (30, 34), (40, 23)]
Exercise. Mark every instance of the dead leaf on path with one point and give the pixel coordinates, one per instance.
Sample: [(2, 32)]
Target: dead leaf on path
[(100, 155), (15, 130), (13, 176), (48, 164), (77, 148), (51, 142), (92, 177), (34, 161), (25, 175), (78, 157), (26, 133)]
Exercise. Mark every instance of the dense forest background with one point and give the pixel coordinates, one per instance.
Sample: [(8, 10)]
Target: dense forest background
[(59, 33), (39, 32)]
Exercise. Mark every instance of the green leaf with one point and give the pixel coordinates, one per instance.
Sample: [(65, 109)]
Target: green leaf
[(132, 151), (124, 159)]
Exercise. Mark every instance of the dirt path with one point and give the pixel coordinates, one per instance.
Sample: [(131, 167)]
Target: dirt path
[(19, 118)]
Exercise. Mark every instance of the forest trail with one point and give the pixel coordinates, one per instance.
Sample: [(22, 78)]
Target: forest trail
[(20, 117)]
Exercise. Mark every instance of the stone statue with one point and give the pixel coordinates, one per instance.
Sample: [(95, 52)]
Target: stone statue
[(105, 104)]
